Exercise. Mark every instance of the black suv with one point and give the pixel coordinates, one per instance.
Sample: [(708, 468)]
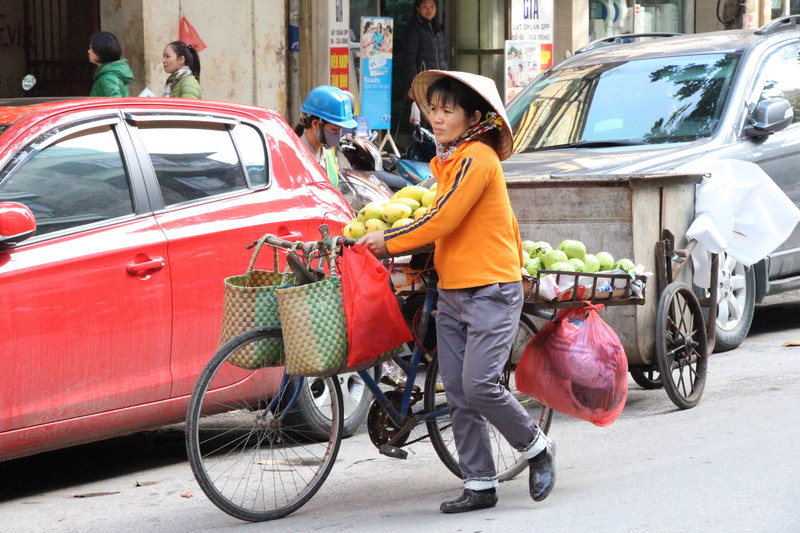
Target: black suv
[(650, 106)]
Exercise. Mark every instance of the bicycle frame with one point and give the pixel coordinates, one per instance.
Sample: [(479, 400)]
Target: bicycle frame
[(273, 403), (399, 417)]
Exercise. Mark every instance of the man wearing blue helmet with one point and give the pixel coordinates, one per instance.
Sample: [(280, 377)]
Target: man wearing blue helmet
[(325, 111)]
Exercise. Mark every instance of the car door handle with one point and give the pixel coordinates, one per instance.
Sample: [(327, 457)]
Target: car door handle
[(138, 269), (291, 236)]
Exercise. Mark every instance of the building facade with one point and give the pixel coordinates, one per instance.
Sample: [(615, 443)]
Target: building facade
[(271, 52)]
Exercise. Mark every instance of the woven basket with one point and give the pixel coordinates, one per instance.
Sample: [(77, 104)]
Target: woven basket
[(250, 302), (314, 329)]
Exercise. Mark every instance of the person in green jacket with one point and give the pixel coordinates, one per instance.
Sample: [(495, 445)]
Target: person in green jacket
[(113, 74), (182, 64)]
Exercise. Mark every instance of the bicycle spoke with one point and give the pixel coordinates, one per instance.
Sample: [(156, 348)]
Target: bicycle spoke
[(249, 461)]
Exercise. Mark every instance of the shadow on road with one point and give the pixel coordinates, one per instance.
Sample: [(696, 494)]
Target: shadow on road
[(88, 463), (776, 314)]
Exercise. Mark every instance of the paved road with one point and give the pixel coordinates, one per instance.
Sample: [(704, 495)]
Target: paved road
[(729, 465)]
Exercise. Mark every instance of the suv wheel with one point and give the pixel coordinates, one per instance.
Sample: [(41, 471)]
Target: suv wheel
[(736, 303), (313, 405)]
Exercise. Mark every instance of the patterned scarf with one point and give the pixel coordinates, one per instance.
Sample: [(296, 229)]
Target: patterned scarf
[(174, 78), (444, 151)]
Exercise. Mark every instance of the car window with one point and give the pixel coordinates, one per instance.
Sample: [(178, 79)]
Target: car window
[(79, 180), (653, 101), (192, 163), (780, 78), (251, 149)]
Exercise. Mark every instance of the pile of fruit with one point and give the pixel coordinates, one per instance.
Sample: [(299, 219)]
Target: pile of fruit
[(405, 206), (570, 256)]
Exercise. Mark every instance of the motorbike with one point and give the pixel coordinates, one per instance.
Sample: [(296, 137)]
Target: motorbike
[(374, 177), (412, 168)]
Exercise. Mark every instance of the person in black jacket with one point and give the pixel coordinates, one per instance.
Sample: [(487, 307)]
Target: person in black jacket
[(423, 43)]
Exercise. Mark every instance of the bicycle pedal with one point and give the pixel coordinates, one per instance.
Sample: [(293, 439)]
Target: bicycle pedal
[(393, 451)]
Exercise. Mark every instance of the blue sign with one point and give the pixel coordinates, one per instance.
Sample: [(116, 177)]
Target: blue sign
[(376, 71)]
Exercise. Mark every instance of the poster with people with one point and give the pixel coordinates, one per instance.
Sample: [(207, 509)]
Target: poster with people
[(377, 42), (523, 62)]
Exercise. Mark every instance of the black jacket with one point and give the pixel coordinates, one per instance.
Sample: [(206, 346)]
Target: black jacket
[(423, 47)]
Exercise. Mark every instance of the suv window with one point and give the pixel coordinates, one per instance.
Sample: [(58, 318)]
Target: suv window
[(646, 101), (251, 149), (79, 180), (191, 162), (780, 78)]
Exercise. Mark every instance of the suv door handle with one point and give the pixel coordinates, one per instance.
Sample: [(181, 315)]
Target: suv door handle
[(145, 267)]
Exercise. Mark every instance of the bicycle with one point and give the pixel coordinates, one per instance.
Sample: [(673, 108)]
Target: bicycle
[(256, 463)]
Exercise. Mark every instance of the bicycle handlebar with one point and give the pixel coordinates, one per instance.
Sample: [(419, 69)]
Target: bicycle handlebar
[(304, 273)]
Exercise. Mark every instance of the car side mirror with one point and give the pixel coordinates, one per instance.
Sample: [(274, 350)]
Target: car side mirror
[(17, 223), (770, 116)]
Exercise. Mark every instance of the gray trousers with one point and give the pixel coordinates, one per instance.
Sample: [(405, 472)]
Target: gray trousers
[(475, 328)]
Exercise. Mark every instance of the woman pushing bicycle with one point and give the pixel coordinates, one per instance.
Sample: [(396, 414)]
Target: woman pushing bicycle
[(478, 257)]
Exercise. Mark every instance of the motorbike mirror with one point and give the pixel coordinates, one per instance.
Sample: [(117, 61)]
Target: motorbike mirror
[(28, 82), (17, 223)]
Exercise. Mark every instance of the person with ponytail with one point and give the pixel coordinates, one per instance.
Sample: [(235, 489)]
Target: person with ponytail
[(182, 64)]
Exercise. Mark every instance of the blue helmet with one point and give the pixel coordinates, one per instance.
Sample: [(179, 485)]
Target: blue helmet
[(331, 105)]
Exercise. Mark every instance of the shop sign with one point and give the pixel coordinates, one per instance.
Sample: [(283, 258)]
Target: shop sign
[(532, 20), (377, 41), (338, 44), (531, 49)]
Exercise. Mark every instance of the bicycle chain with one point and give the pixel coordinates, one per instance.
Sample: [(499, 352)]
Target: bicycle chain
[(425, 436)]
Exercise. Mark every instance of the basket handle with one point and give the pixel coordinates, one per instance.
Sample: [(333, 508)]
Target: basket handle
[(275, 267)]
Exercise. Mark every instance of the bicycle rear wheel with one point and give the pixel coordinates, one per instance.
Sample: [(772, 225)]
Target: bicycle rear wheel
[(249, 460), (508, 461)]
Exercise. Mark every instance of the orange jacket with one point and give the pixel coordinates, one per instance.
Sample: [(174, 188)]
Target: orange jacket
[(470, 221)]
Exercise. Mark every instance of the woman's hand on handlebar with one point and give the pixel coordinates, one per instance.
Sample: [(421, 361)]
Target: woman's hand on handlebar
[(374, 242)]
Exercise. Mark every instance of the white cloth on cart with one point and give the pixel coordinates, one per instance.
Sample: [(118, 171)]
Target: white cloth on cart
[(738, 210)]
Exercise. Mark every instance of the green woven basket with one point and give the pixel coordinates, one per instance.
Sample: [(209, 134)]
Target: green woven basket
[(314, 328), (249, 302)]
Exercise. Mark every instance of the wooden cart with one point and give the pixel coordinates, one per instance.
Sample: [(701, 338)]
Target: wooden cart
[(666, 338)]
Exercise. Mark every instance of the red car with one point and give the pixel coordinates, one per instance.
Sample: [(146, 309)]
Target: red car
[(141, 207)]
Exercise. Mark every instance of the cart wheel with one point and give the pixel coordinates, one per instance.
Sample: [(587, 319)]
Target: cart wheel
[(648, 379), (681, 345)]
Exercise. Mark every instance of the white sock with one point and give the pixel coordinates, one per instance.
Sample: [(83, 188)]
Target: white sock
[(480, 484), (537, 446)]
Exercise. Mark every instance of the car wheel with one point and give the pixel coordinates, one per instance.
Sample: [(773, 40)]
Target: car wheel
[(313, 405), (736, 303)]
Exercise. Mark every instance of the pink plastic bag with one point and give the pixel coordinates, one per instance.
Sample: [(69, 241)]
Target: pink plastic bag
[(577, 367)]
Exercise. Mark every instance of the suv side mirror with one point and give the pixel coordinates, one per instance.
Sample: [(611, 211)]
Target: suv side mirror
[(17, 223), (770, 116)]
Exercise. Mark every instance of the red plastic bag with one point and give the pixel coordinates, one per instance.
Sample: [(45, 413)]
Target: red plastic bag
[(577, 367), (189, 35), (375, 324)]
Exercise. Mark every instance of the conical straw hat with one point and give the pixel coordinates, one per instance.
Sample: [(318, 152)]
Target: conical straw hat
[(483, 86)]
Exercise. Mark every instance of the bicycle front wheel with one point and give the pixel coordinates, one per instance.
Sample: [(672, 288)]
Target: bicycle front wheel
[(251, 461), (508, 461)]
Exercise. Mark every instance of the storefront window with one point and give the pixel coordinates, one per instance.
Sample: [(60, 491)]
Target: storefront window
[(608, 18)]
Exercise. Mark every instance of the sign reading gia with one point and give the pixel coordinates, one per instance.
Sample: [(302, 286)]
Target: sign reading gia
[(377, 36), (530, 50), (532, 20)]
